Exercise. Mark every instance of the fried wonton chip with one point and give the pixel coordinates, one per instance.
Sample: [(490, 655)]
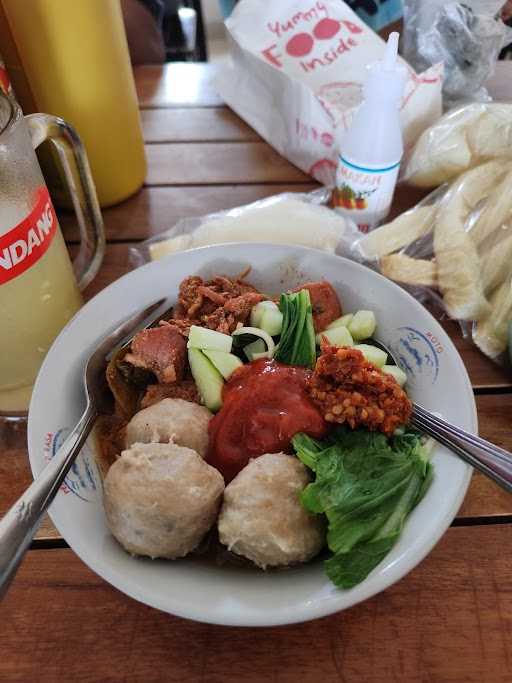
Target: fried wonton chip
[(458, 263), (401, 232), (458, 141), (496, 212), (496, 263), (126, 390), (442, 151), (491, 333), (409, 270), (490, 136)]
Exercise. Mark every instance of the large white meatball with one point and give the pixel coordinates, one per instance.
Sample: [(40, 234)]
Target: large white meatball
[(161, 499), (171, 419), (262, 517)]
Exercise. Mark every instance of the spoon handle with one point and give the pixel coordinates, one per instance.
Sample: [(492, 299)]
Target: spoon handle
[(20, 523), (495, 462)]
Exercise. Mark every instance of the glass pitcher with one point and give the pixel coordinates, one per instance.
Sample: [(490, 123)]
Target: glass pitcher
[(39, 287)]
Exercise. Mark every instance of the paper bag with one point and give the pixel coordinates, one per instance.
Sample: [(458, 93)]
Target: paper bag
[(297, 73)]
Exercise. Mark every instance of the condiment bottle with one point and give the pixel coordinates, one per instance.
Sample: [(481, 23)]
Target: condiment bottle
[(75, 58), (372, 148), (12, 75)]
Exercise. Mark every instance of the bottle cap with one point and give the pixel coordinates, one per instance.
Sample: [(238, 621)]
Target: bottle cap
[(386, 78)]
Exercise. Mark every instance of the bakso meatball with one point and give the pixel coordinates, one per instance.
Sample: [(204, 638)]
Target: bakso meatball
[(161, 499), (172, 419), (262, 517)]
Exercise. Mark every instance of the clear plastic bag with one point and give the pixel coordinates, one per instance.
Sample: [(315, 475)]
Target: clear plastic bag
[(453, 248), (461, 139), (456, 245), (466, 36), (288, 218)]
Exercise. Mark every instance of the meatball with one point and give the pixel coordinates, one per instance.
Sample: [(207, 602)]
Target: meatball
[(324, 302), (161, 499), (171, 419), (262, 517)]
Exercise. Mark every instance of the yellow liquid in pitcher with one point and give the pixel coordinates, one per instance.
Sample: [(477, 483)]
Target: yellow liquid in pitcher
[(34, 307)]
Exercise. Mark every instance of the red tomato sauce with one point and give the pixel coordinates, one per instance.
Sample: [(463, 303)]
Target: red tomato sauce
[(264, 405)]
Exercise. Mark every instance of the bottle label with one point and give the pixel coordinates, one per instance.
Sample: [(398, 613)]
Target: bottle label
[(24, 244), (365, 193)]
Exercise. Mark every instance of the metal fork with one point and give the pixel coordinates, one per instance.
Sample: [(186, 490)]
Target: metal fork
[(18, 526), (484, 456)]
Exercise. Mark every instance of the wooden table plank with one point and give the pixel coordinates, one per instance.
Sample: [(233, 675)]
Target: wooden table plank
[(217, 164), (15, 473), (483, 372), (494, 413), (448, 621), (176, 85), (195, 125), (155, 209), (187, 84), (484, 498)]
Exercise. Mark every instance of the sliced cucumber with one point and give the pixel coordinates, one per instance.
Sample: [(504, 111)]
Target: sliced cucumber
[(338, 336), (226, 363), (269, 344), (207, 378), (395, 372), (258, 311), (255, 350), (272, 321), (344, 321), (373, 354), (363, 324), (203, 338)]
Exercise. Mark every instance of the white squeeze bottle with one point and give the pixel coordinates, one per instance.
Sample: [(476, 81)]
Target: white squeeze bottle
[(372, 148)]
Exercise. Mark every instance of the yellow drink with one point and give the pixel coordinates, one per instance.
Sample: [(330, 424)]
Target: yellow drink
[(34, 307), (75, 58), (35, 303)]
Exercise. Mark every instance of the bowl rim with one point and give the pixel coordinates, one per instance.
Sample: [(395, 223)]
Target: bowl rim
[(293, 614)]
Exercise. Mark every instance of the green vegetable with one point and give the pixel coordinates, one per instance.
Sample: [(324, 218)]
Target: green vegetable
[(272, 321), (297, 343), (366, 485), (338, 336), (226, 363), (260, 308), (363, 325), (373, 354), (254, 334), (255, 349), (344, 321), (203, 338), (395, 372), (208, 379)]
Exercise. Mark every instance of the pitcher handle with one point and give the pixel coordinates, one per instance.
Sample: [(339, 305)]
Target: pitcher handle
[(78, 175)]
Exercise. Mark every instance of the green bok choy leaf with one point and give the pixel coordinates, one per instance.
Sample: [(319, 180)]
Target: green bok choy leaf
[(366, 484)]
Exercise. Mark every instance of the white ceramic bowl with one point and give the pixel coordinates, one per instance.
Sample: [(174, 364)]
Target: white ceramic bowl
[(221, 595)]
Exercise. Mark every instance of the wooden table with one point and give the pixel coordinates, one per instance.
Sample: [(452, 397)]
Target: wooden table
[(449, 620)]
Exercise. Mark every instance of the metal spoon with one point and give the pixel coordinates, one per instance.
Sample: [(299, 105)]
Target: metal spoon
[(494, 462), (18, 526)]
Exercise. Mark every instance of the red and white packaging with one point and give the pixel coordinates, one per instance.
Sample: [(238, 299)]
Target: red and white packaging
[(297, 72), (25, 243)]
